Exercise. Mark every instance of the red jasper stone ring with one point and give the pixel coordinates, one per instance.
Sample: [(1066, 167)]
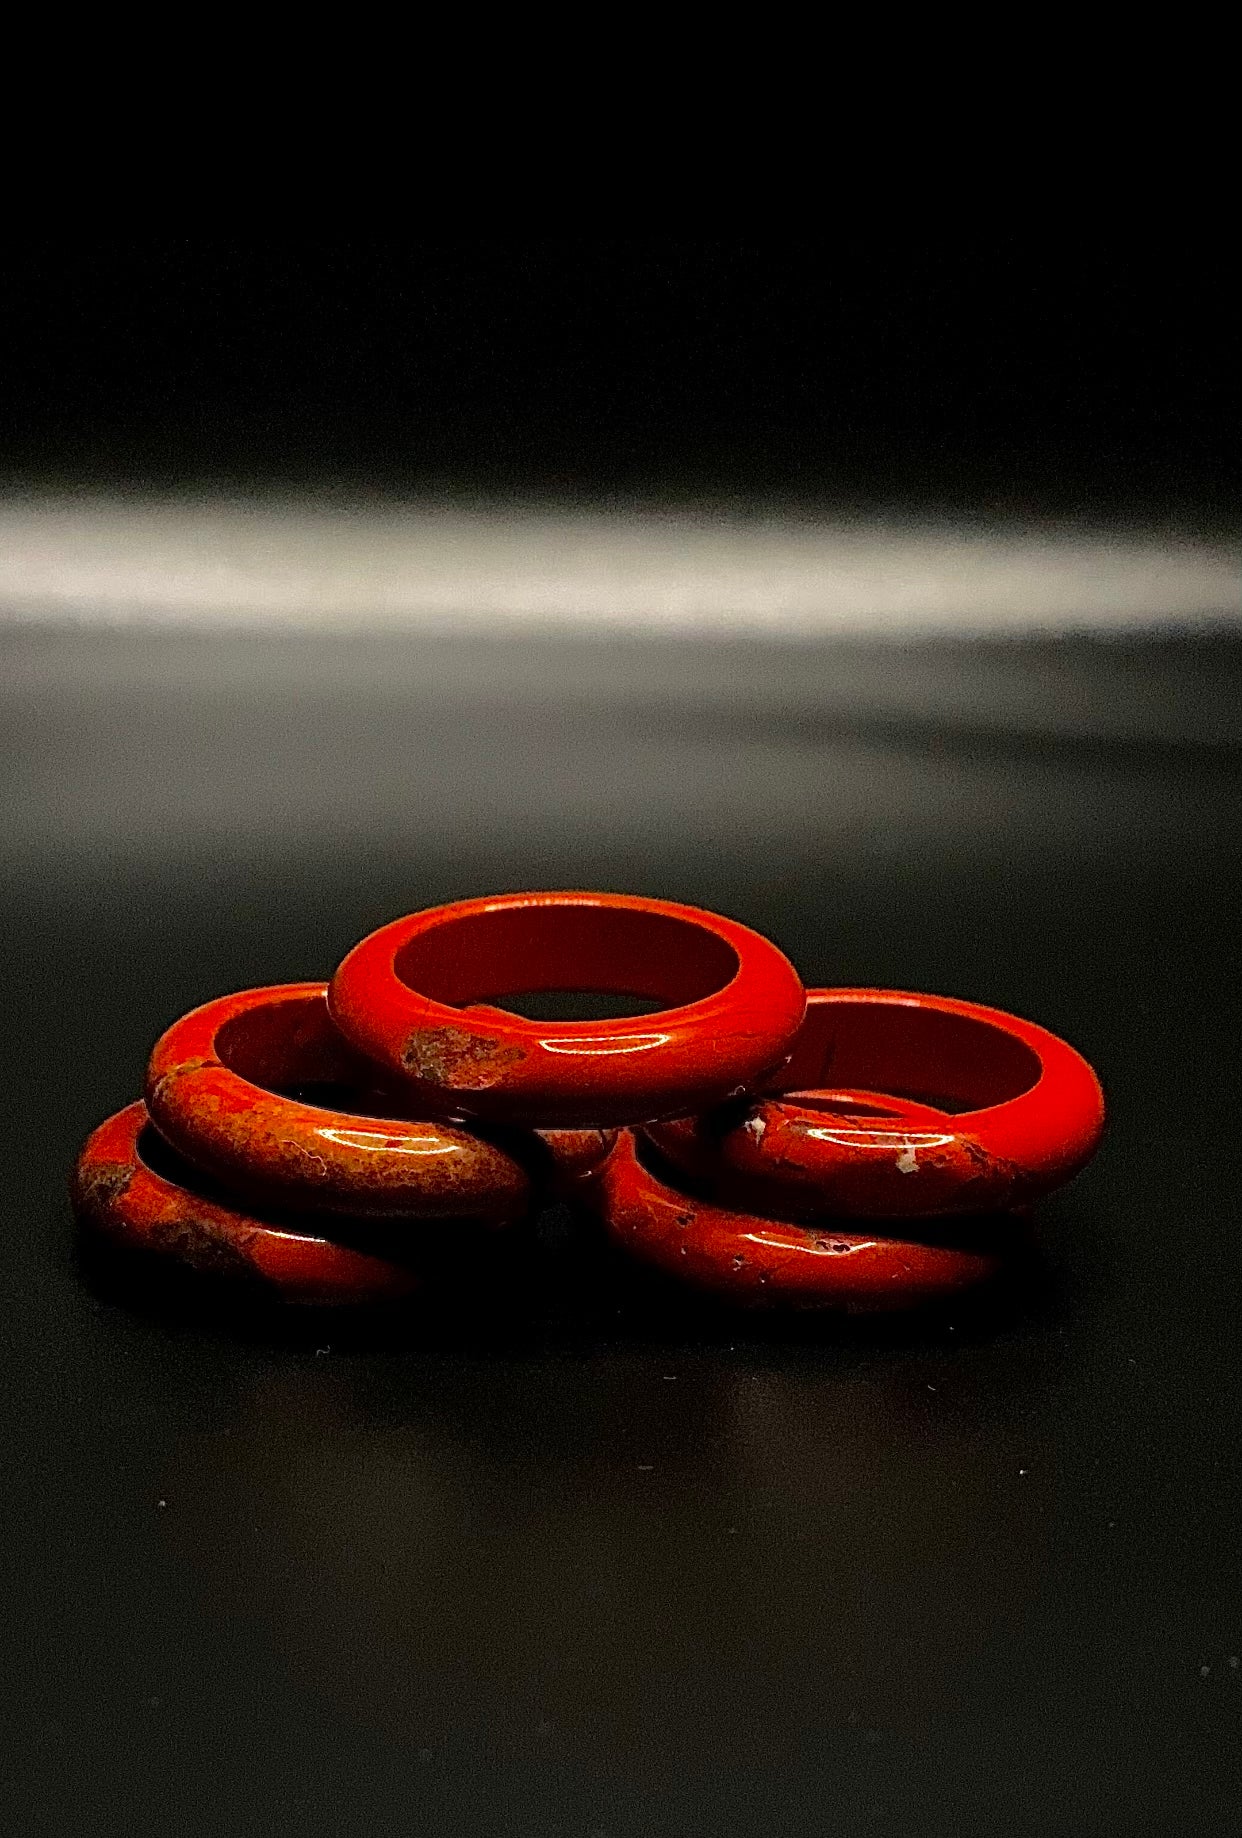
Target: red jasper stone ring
[(217, 1089), (995, 1112), (764, 1262), (119, 1195), (404, 996)]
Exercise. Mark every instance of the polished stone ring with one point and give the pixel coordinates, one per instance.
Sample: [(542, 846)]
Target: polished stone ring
[(250, 1088), (896, 1105), (756, 1261), (120, 1195), (418, 997)]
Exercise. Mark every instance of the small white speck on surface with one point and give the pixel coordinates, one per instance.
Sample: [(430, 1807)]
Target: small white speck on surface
[(645, 1467), (1024, 1471), (756, 1126), (931, 1387), (321, 1352), (1204, 1670), (907, 1161), (670, 1377), (161, 1503)]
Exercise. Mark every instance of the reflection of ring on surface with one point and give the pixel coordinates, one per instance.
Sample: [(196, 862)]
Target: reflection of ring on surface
[(405, 997), (215, 1086), (999, 1112), (118, 1194), (775, 1263)]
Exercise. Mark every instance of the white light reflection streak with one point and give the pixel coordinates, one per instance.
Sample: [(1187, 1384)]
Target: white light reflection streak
[(377, 1142), (606, 1044), (212, 562), (836, 1247), (878, 1139)]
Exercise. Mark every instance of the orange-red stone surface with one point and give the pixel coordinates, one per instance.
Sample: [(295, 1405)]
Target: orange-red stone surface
[(417, 997), (119, 1196), (763, 1262), (991, 1112)]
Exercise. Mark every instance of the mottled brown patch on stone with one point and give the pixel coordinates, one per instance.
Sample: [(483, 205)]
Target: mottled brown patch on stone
[(460, 1061), (205, 1248), (995, 1169), (97, 1189)]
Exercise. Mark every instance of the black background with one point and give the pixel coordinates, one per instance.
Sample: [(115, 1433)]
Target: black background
[(1020, 372), (605, 1562)]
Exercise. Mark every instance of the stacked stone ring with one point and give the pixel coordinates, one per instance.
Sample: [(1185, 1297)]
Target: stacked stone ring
[(763, 1262), (119, 1195), (996, 1112), (218, 1089), (416, 997)]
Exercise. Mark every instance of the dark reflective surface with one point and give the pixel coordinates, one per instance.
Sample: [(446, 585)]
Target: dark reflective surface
[(592, 1560)]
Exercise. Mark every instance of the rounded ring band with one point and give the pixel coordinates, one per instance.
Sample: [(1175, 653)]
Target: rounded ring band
[(210, 1093), (416, 997), (117, 1194), (995, 1111), (763, 1262)]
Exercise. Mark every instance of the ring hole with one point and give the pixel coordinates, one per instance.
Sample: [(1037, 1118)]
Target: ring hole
[(849, 1104), (576, 1004), (952, 1063), (576, 957), (290, 1047), (155, 1154)]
